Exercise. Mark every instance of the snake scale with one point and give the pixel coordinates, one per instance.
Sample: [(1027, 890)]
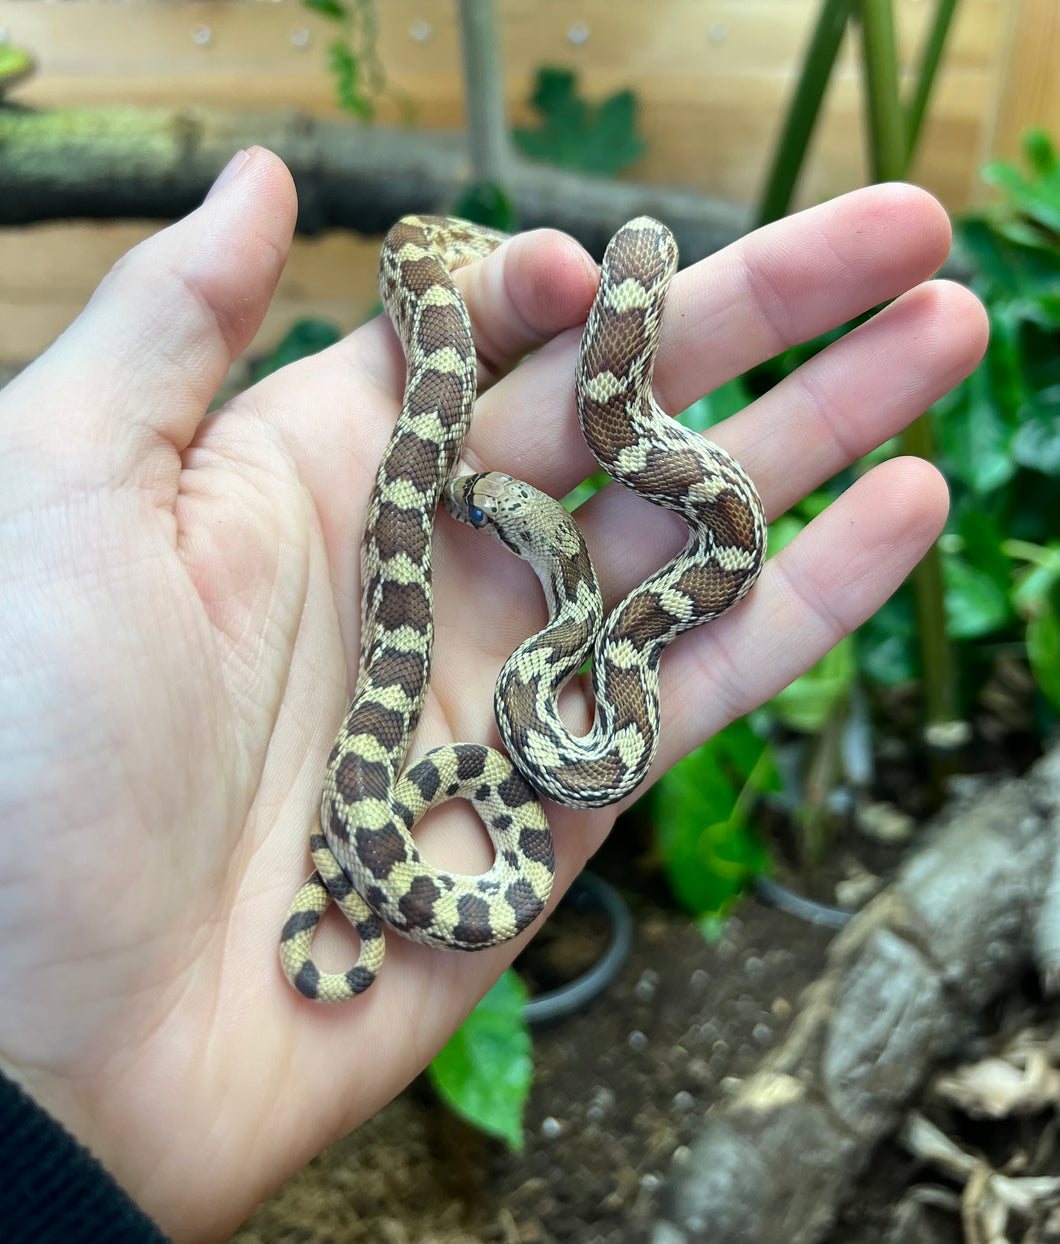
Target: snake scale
[(364, 855)]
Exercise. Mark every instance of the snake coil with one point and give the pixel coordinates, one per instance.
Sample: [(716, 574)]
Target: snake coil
[(365, 857)]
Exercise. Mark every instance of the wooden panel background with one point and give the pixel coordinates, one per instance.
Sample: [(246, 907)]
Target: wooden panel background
[(712, 76)]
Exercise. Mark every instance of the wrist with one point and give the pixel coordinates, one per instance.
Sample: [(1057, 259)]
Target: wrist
[(53, 1188)]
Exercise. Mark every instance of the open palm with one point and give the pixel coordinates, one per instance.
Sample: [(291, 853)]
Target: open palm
[(179, 608)]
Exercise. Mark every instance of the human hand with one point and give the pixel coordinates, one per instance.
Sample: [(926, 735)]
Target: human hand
[(180, 606)]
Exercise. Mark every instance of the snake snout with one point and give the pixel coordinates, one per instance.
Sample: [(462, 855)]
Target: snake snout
[(477, 499)]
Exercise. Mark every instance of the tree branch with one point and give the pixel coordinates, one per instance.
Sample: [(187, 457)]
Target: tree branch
[(966, 915), (487, 130), (158, 164)]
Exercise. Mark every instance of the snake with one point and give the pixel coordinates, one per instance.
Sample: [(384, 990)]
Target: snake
[(364, 854)]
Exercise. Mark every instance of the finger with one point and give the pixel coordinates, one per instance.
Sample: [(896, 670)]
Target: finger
[(155, 341), (794, 279), (536, 286), (522, 294), (836, 573), (845, 401), (857, 393), (780, 285)]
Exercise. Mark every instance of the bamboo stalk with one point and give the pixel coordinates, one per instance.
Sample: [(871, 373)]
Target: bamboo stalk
[(891, 154), (888, 152), (927, 71), (938, 664), (790, 153)]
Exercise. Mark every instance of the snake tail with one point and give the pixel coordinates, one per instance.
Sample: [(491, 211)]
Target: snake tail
[(372, 798)]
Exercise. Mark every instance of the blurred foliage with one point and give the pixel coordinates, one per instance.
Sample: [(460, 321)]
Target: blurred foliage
[(486, 203), (485, 1071), (998, 437), (574, 133), (353, 59), (999, 432), (15, 64), (701, 815), (303, 338)]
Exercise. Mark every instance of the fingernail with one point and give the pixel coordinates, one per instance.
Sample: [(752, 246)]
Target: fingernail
[(227, 173)]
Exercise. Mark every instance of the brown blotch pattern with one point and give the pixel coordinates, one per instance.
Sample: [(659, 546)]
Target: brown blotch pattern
[(356, 777), (379, 850), (401, 531), (417, 903), (472, 930), (400, 669)]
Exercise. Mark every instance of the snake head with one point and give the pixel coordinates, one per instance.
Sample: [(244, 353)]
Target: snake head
[(477, 500), (530, 523)]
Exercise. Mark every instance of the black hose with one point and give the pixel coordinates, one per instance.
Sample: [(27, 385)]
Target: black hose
[(587, 892), (775, 895)]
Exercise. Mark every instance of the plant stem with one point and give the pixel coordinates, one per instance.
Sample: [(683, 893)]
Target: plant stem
[(802, 114), (484, 91), (890, 153), (821, 777), (939, 671), (926, 71), (887, 146)]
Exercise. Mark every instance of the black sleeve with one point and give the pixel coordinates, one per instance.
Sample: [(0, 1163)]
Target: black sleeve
[(52, 1190)]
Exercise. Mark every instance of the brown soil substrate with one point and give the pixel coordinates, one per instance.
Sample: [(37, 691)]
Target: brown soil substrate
[(617, 1091)]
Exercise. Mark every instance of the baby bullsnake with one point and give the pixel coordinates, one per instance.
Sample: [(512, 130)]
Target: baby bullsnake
[(364, 854)]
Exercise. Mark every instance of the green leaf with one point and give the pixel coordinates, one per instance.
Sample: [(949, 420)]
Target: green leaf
[(15, 63), (485, 1071), (562, 119), (333, 9), (1029, 197), (783, 530), (1011, 257), (303, 338), (712, 408), (812, 505), (573, 133), (974, 437), (808, 702), (709, 851), (1036, 443), (1037, 581), (976, 604), (1040, 153), (611, 143), (346, 70), (1043, 651), (981, 538), (1004, 360), (586, 489), (887, 642), (555, 93), (486, 203)]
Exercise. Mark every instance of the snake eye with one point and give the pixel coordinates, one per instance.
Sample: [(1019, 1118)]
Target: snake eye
[(476, 517)]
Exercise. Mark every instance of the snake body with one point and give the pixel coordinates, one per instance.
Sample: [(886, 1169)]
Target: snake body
[(667, 464), (363, 851)]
